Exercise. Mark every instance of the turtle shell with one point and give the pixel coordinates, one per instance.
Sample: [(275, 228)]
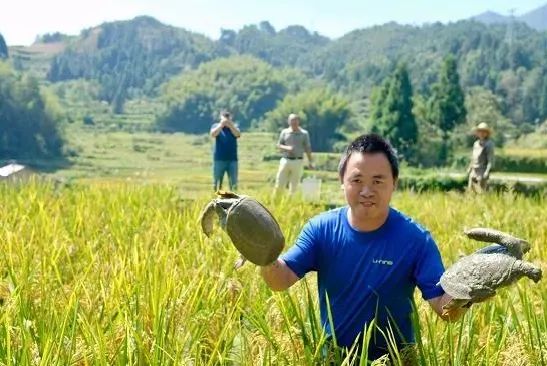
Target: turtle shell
[(475, 275), (254, 231)]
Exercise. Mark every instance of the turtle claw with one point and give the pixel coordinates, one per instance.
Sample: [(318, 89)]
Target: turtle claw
[(239, 263)]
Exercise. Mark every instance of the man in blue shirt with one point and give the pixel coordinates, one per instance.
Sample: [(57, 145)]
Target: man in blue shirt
[(226, 134), (369, 257)]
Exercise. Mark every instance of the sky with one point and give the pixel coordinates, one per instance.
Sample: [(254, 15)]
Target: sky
[(22, 20)]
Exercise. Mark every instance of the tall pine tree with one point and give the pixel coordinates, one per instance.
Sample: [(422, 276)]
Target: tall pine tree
[(446, 104), (3, 48), (392, 115), (543, 100)]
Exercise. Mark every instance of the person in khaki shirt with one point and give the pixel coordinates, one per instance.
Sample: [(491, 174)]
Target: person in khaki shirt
[(482, 159), (293, 142)]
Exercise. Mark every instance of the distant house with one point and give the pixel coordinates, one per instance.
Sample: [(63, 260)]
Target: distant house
[(15, 172)]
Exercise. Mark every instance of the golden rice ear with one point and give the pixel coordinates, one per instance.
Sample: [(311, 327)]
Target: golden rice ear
[(207, 217)]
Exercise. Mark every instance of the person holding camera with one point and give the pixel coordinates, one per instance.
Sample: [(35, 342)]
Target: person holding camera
[(225, 133)]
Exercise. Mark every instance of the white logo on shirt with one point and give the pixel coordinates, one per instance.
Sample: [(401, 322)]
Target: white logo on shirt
[(383, 262)]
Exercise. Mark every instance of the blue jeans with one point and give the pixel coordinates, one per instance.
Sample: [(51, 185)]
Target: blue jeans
[(225, 166)]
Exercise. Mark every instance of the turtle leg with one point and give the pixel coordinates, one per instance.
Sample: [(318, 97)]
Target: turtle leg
[(206, 218), (482, 294), (516, 246), (454, 304)]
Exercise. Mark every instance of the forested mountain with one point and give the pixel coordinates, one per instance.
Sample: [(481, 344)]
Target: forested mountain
[(536, 19), (513, 68), (289, 46), (131, 56), (261, 73)]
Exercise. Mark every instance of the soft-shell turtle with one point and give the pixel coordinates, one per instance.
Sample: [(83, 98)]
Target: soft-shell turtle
[(251, 227), (475, 277)]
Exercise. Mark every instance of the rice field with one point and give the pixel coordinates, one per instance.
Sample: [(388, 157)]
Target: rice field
[(120, 274)]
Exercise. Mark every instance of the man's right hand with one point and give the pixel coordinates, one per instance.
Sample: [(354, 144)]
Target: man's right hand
[(278, 276)]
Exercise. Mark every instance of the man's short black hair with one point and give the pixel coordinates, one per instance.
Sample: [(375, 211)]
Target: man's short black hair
[(369, 144)]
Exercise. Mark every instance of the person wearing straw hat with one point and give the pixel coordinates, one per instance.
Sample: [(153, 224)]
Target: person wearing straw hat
[(482, 159)]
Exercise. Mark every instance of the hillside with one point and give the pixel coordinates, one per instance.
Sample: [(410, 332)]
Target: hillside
[(130, 59), (536, 19), (126, 55), (36, 59)]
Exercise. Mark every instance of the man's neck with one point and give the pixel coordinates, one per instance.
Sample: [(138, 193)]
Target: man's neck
[(366, 224)]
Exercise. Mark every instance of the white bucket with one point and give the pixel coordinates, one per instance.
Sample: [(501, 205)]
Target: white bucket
[(311, 188)]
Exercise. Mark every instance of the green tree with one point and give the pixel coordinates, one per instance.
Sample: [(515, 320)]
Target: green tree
[(321, 112), (543, 103), (447, 103), (392, 115), (29, 118), (3, 48), (247, 86)]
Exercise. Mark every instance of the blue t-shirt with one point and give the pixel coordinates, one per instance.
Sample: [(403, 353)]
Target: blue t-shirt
[(225, 145), (368, 275)]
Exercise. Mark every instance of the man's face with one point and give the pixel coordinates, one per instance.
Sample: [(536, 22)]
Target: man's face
[(482, 134), (368, 184), (294, 122)]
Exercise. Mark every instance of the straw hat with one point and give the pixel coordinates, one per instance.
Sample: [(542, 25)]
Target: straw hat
[(483, 127)]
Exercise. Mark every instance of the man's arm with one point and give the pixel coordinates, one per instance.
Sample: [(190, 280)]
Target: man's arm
[(307, 148), (217, 128), (233, 128), (278, 276), (284, 147), (281, 144), (449, 316), (490, 160), (310, 159)]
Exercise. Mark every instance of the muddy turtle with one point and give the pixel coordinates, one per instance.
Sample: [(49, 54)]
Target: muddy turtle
[(476, 277), (251, 227)]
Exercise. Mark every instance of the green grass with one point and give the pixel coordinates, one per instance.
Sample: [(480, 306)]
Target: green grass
[(118, 273)]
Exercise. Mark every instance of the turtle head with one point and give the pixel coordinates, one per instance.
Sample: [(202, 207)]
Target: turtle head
[(206, 218), (219, 206)]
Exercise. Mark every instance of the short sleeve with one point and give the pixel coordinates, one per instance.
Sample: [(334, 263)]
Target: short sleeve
[(281, 140), (429, 269), (302, 256)]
